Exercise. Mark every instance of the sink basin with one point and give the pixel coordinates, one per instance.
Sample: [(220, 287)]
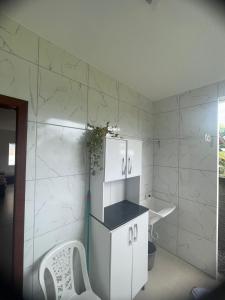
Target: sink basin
[(159, 209)]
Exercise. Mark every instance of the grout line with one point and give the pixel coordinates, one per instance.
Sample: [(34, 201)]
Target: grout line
[(59, 227), (86, 84), (178, 179), (35, 166), (183, 168), (62, 176)]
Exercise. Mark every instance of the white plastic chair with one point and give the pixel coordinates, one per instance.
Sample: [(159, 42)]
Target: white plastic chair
[(59, 262)]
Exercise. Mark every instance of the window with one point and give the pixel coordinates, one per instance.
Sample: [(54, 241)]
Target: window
[(12, 153)]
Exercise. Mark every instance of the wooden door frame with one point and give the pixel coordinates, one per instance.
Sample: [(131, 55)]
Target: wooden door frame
[(21, 108)]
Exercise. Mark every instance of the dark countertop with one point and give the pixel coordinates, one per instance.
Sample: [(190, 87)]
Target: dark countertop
[(120, 213)]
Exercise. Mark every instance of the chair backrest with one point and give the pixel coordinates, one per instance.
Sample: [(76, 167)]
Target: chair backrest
[(59, 262)]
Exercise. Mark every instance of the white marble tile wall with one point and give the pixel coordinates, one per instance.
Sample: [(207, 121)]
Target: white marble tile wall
[(185, 173), (63, 93)]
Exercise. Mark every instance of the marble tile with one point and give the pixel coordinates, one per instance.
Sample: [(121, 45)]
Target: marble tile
[(29, 210), (198, 218), (102, 109), (199, 120), (18, 40), (61, 151), (166, 125), (59, 201), (27, 283), (197, 251), (146, 125), (165, 197), (166, 153), (145, 103), (165, 180), (18, 79), (196, 153), (61, 101), (198, 186), (147, 153), (146, 182), (167, 236), (221, 89), (44, 243), (58, 60), (102, 82), (128, 95), (128, 120), (28, 254), (199, 96), (31, 148), (165, 105)]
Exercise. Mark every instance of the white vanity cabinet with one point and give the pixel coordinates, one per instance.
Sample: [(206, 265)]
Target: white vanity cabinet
[(118, 264)]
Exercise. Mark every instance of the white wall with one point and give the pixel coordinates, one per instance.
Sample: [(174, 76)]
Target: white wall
[(185, 173), (63, 94)]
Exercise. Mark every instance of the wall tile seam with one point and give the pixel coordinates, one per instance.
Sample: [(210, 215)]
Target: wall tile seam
[(58, 228), (165, 166), (62, 176), (134, 106), (19, 57), (198, 202), (201, 170), (93, 88), (183, 107), (74, 80), (198, 105), (198, 236), (63, 126), (174, 195), (35, 167), (183, 168), (183, 137)]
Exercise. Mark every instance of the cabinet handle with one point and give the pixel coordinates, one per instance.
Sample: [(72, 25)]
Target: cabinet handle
[(129, 165), (123, 166), (130, 235), (135, 232)]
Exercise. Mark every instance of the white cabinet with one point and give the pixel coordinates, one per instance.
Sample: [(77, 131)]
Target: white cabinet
[(140, 248), (121, 263), (115, 159), (122, 159), (134, 158), (118, 258)]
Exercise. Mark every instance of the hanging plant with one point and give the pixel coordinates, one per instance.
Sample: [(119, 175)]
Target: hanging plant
[(95, 138)]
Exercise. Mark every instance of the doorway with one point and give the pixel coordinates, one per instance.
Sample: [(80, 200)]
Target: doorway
[(13, 136)]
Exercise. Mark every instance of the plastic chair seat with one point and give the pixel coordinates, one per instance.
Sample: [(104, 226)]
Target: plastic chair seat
[(87, 295)]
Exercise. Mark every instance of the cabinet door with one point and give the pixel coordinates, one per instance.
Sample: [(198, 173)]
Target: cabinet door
[(121, 263), (140, 253), (115, 159), (134, 155)]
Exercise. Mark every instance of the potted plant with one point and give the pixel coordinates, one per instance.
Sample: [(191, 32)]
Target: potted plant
[(95, 139)]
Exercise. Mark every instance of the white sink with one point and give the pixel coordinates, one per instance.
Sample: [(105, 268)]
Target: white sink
[(159, 209)]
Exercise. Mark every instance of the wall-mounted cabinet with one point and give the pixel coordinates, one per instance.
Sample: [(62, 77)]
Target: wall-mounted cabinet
[(122, 159)]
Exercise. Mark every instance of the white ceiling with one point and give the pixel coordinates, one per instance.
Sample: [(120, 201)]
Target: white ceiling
[(160, 50)]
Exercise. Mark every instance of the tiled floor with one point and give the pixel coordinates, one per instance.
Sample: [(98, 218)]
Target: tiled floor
[(172, 278)]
